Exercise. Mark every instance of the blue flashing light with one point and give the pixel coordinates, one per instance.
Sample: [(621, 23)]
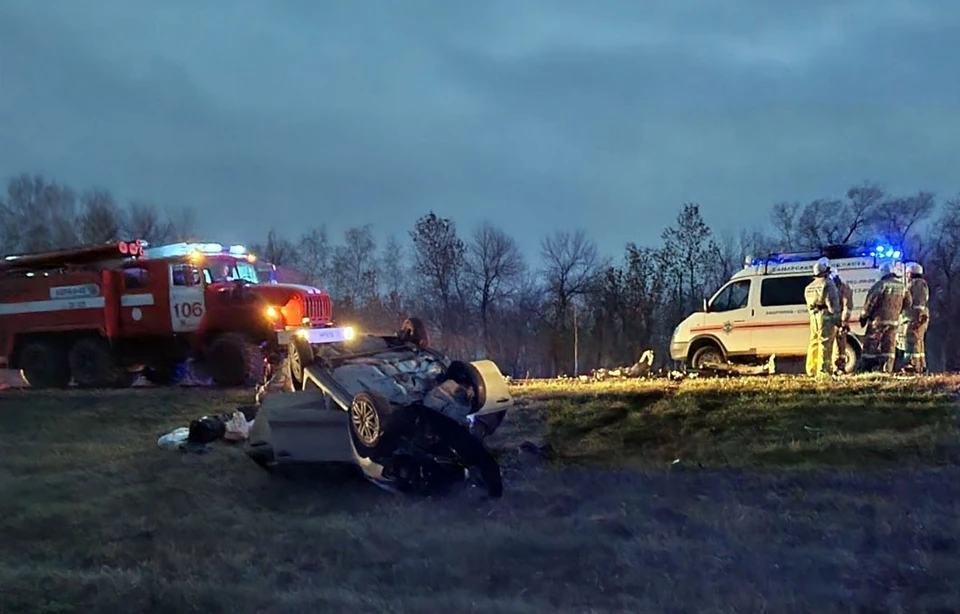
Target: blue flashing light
[(238, 250), (897, 254)]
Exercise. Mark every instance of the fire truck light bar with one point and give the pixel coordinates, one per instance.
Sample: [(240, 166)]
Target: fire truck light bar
[(185, 249)]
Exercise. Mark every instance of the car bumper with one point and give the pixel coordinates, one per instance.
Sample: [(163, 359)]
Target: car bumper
[(678, 351)]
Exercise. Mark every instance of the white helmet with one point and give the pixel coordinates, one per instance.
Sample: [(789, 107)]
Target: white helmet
[(885, 269), (914, 268), (821, 266)]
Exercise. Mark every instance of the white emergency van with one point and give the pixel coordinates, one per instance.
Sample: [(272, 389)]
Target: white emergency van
[(761, 310)]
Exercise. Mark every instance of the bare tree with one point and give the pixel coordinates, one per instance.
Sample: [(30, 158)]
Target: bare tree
[(146, 221), (276, 250), (183, 224), (394, 276), (314, 255), (101, 219), (494, 264), (570, 265), (824, 222), (943, 273), (687, 256), (38, 215), (355, 266), (897, 220), (438, 260)]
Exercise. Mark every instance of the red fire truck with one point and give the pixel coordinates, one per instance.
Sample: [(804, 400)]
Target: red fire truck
[(99, 315)]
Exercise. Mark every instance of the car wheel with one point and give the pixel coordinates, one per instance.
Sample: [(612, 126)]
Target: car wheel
[(370, 417), (414, 331), (469, 377), (300, 356), (706, 356)]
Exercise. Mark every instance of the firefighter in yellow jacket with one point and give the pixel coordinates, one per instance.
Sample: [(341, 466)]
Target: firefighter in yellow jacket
[(881, 317), (823, 304), (917, 312), (843, 327)]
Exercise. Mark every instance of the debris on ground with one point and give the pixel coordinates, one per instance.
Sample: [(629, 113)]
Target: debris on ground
[(232, 427)]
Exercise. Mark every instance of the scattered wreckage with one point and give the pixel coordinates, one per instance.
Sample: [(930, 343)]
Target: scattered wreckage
[(643, 369), (408, 416)]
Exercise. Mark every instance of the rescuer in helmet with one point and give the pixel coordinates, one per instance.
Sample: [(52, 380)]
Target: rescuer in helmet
[(880, 316), (845, 293), (917, 312), (823, 303)]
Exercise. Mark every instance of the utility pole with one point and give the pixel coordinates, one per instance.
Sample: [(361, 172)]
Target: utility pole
[(576, 344)]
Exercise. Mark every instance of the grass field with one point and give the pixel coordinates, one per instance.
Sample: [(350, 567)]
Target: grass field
[(840, 498)]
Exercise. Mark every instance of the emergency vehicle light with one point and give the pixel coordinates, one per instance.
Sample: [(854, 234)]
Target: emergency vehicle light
[(187, 249)]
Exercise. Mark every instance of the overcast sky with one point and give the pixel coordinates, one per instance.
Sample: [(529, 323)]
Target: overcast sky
[(535, 115)]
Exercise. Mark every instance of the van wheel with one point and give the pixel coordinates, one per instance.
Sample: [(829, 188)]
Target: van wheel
[(852, 355), (707, 356)]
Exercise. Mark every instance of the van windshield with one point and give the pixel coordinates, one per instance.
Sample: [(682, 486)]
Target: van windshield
[(732, 297)]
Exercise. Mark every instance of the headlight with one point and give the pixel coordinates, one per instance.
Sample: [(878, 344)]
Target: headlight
[(348, 333), (272, 313)]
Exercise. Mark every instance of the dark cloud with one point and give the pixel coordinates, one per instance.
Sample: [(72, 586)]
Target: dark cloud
[(538, 116)]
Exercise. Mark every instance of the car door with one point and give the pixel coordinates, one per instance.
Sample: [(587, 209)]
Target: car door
[(729, 316), (187, 304), (783, 324)]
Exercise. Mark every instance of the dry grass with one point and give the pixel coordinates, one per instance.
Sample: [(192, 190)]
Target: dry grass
[(867, 421), (96, 518)]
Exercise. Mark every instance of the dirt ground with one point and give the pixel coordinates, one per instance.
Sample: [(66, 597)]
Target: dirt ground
[(95, 517)]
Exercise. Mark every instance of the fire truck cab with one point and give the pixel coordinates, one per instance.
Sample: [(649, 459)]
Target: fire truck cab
[(100, 315)]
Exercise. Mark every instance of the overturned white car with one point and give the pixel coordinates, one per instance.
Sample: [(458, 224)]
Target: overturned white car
[(410, 417)]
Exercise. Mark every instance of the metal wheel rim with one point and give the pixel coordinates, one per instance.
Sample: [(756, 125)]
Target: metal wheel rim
[(710, 357), (366, 421), (295, 362)]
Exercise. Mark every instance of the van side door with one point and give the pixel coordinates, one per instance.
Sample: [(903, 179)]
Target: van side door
[(783, 324), (729, 318)]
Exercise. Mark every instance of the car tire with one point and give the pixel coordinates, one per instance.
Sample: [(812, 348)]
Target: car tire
[(299, 356), (852, 356), (702, 357), (44, 365), (469, 377), (371, 416), (414, 331)]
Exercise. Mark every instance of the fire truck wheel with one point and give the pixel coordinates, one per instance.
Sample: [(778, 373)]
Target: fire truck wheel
[(45, 365), (234, 361), (94, 365)]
